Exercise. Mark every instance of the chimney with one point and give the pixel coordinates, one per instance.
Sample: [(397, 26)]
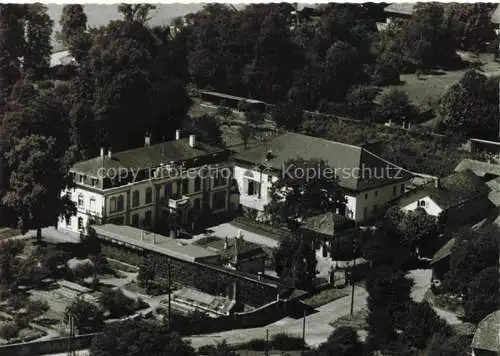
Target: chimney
[(226, 243), (109, 154), (177, 134), (102, 152), (235, 258), (192, 140), (147, 141), (269, 155), (437, 183)]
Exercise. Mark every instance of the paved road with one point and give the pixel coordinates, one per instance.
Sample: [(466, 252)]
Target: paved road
[(317, 328)]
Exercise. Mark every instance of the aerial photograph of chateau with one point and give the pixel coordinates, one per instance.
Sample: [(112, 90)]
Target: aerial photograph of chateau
[(258, 179)]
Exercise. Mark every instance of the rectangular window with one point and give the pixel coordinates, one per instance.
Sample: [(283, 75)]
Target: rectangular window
[(219, 200), (376, 193), (120, 203), (394, 191), (82, 179), (197, 204), (402, 188), (185, 186), (197, 184), (135, 198), (80, 200), (366, 195), (167, 190), (80, 223), (68, 221), (147, 218), (219, 179), (135, 220), (253, 187), (112, 205), (149, 195), (92, 204)]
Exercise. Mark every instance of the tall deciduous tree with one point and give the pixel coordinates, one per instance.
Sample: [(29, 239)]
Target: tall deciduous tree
[(395, 106), (305, 187), (483, 294), (38, 40), (206, 128), (74, 33), (470, 107), (12, 45), (125, 82), (388, 303), (86, 315), (295, 261), (37, 176), (470, 25)]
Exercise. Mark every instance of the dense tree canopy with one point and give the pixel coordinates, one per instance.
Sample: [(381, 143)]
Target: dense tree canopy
[(470, 107), (306, 186), (137, 338)]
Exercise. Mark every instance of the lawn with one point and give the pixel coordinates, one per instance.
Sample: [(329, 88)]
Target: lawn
[(428, 88), (358, 320), (326, 296)]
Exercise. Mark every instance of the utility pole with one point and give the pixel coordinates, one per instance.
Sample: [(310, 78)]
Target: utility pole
[(304, 328), (169, 297), (71, 334), (267, 342)]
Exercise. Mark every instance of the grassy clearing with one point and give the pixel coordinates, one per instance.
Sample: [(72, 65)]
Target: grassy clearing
[(358, 320), (326, 296)]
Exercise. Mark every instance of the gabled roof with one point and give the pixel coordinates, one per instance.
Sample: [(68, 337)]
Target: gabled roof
[(495, 16), (444, 251), (147, 157), (487, 336), (405, 8), (479, 168), (246, 249), (352, 164), (326, 222), (454, 189)]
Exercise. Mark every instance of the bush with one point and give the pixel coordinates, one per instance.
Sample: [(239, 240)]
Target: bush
[(285, 342), (206, 349), (83, 270), (257, 344), (117, 303), (37, 307), (9, 330)]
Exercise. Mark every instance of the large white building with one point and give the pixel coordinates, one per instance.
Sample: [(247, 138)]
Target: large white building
[(369, 182), (141, 187)]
